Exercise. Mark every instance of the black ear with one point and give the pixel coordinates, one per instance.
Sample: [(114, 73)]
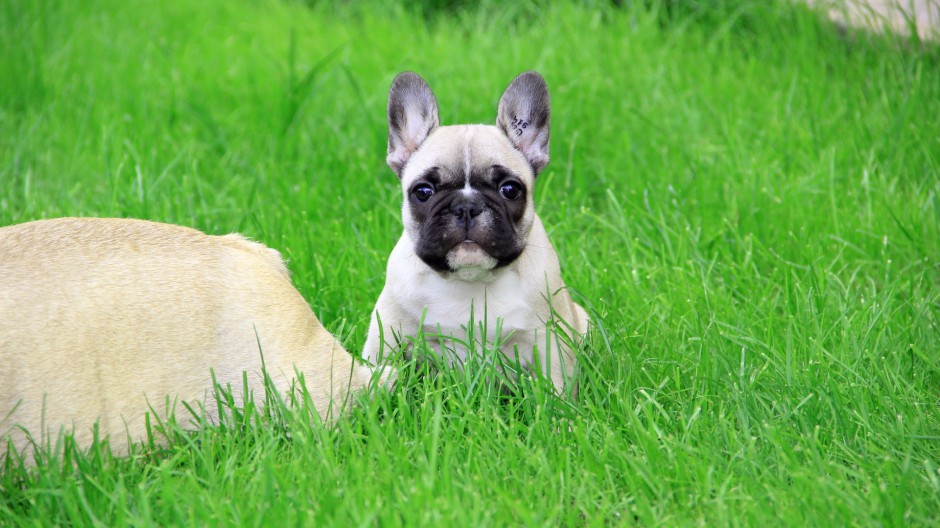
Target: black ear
[(523, 116), (412, 115)]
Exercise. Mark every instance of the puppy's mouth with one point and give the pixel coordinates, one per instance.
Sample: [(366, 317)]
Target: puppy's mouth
[(469, 255)]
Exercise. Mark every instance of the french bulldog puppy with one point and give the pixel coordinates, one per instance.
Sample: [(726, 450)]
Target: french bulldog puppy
[(473, 250), (102, 319)]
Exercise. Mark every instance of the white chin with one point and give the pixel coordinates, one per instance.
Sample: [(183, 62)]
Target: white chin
[(468, 260)]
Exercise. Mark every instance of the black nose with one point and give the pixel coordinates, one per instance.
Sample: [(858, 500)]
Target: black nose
[(466, 211)]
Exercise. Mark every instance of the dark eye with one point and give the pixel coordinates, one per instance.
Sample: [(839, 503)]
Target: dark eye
[(422, 192), (510, 190)]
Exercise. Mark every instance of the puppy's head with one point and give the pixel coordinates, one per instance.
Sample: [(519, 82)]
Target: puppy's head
[(468, 188)]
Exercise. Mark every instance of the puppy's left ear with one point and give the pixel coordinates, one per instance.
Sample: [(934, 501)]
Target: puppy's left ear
[(523, 116), (412, 116)]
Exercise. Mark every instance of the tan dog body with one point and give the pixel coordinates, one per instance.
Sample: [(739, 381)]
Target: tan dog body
[(102, 318)]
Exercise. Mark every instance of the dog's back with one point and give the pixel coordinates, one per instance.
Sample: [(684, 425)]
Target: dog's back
[(102, 318)]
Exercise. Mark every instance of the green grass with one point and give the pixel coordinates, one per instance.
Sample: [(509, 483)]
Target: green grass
[(747, 199)]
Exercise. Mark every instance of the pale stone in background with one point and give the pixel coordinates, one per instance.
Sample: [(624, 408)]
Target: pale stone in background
[(878, 14)]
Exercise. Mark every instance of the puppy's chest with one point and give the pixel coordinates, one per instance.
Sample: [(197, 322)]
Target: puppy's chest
[(500, 308)]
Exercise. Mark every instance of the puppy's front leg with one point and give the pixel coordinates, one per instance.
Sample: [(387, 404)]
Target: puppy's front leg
[(543, 353)]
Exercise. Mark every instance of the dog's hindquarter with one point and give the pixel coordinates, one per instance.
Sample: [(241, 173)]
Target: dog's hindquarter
[(104, 320)]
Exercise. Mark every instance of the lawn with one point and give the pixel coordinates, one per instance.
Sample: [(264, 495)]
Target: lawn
[(745, 197)]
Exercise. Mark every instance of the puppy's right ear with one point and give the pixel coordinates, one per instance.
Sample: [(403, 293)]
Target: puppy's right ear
[(412, 115)]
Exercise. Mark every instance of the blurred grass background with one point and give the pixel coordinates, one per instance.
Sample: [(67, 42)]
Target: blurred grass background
[(744, 195)]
